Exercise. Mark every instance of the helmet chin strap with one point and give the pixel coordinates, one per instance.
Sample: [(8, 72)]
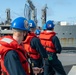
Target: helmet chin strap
[(25, 37)]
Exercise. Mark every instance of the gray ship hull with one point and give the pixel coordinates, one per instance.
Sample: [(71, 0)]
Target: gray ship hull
[(67, 36)]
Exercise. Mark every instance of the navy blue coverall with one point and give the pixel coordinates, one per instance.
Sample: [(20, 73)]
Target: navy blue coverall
[(13, 64), (36, 44)]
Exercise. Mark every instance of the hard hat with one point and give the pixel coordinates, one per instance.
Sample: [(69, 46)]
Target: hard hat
[(50, 24), (31, 24), (37, 32), (20, 23), (44, 27)]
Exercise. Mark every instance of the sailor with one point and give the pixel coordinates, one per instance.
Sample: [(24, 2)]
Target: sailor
[(13, 59), (52, 45), (44, 27), (37, 32), (34, 48)]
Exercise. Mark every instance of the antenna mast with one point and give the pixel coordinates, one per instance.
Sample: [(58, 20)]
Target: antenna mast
[(34, 11), (44, 14)]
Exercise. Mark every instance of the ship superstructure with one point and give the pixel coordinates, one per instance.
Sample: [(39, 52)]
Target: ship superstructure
[(67, 36)]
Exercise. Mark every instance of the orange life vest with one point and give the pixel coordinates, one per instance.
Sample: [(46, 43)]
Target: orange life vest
[(46, 40), (0, 62), (31, 52), (7, 43), (0, 65)]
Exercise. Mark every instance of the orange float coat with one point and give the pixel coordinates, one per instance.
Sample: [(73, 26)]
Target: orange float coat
[(32, 53), (7, 43), (46, 40)]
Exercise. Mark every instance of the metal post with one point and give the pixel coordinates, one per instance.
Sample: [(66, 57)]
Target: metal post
[(44, 15)]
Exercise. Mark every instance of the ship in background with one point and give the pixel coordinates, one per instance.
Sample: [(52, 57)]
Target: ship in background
[(66, 33), (30, 12), (67, 36), (5, 26)]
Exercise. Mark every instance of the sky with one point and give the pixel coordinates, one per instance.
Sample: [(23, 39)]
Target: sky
[(58, 10)]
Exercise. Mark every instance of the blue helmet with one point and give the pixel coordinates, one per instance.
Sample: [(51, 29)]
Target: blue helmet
[(50, 24), (37, 32), (44, 27), (31, 24), (19, 23)]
